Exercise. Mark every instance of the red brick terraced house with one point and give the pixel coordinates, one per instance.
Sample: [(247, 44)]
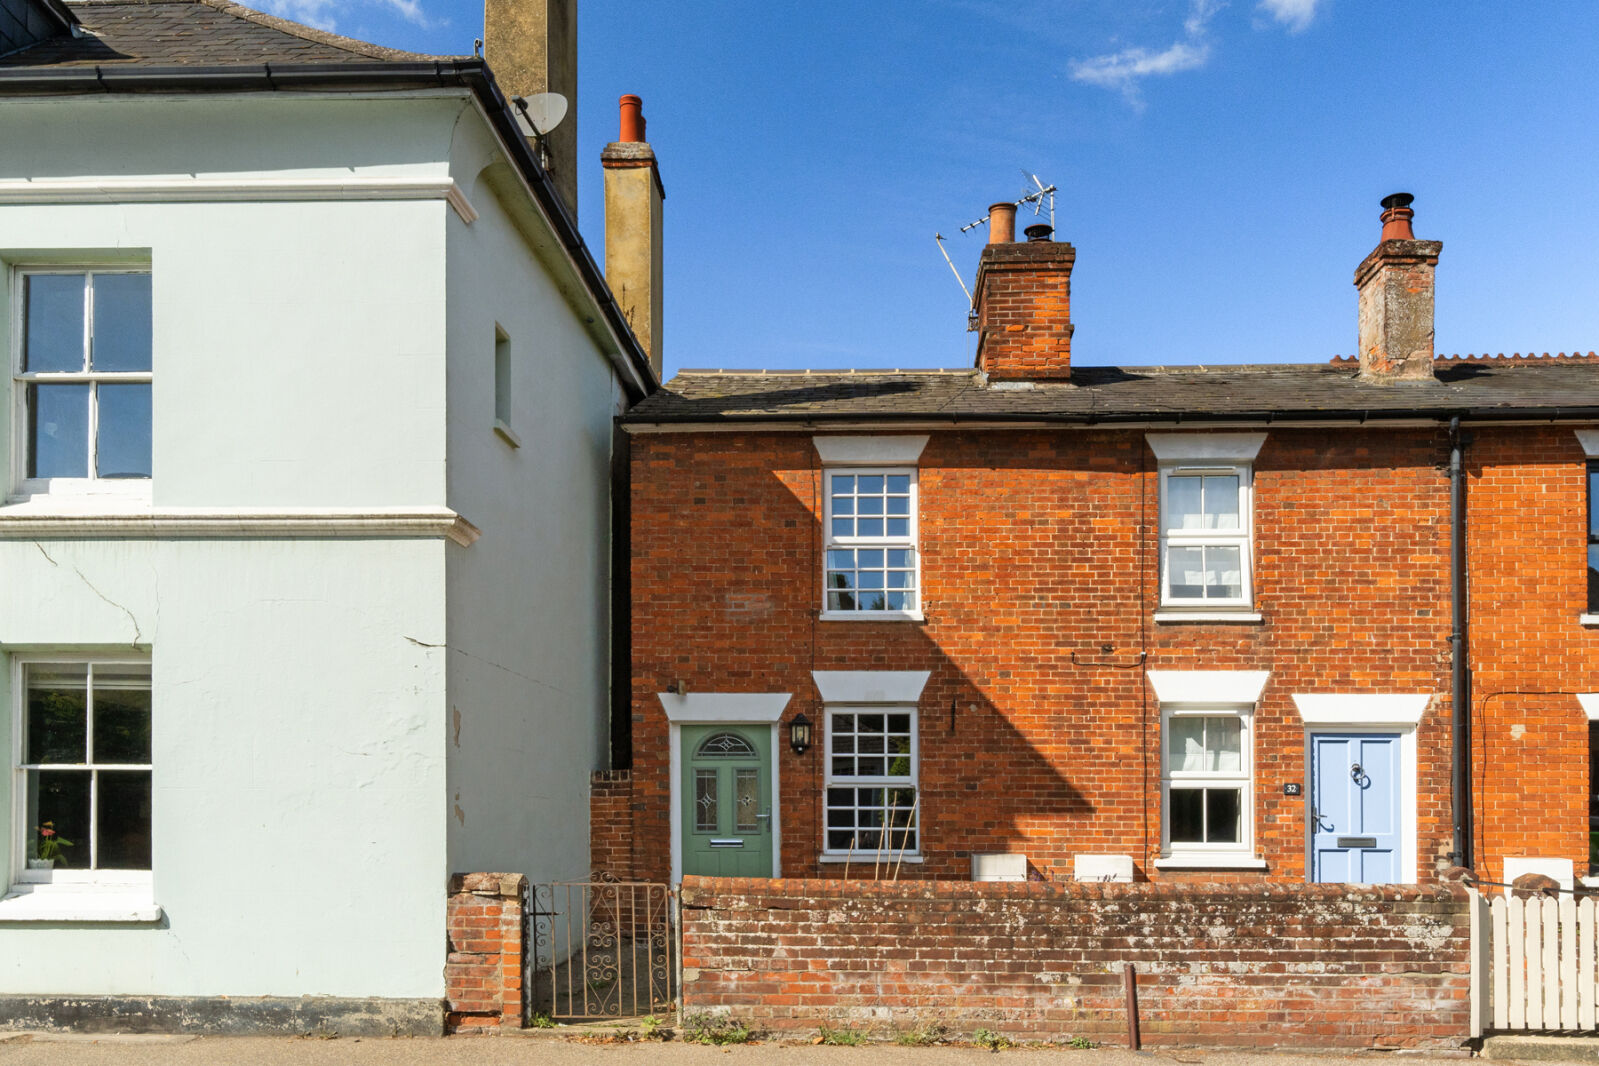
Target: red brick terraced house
[(1302, 622)]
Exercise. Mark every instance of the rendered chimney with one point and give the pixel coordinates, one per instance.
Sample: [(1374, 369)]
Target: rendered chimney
[(1396, 283), (531, 45), (1023, 303), (633, 197)]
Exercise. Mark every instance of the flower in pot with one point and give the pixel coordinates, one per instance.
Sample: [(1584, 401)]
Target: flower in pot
[(49, 848)]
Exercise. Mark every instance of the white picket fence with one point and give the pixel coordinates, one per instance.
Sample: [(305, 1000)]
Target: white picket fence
[(1540, 956)]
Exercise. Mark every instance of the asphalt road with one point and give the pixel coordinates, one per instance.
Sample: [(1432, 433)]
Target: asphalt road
[(543, 1051)]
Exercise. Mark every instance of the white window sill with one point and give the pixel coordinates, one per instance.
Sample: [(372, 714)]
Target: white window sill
[(867, 857), (1242, 615), (1588, 619), (80, 503), (1192, 861), (507, 434), (79, 903), (872, 616)]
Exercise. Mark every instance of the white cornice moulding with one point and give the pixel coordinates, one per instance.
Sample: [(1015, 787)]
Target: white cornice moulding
[(1589, 439), (172, 190), (870, 450), (18, 523), (1403, 709), (723, 706), (871, 686), (1589, 701), (1205, 447), (1230, 688)]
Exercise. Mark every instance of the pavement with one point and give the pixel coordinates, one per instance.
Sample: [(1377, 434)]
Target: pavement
[(549, 1049)]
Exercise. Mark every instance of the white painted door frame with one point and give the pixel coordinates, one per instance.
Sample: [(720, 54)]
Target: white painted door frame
[(723, 708)]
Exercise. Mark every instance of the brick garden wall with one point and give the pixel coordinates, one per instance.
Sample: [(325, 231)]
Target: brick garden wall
[(611, 823), (1040, 561), (1222, 965), (486, 924)]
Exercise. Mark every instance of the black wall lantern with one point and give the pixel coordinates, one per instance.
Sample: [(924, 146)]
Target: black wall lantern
[(799, 734)]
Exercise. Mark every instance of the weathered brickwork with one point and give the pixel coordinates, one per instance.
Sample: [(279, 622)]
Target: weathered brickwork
[(486, 922), (611, 839), (1527, 499), (1218, 965), (1024, 296), (1040, 558)]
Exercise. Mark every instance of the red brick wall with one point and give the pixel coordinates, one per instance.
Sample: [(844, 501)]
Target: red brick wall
[(611, 823), (1527, 560), (1227, 966), (1038, 732), (487, 928), (1023, 306)]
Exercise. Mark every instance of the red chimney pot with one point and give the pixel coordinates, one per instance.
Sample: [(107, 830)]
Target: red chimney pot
[(1396, 216), (1002, 223), (632, 119)]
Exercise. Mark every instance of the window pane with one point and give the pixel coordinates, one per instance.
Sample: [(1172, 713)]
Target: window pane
[(843, 483), (841, 601), (58, 816), (1221, 501), (1185, 744), (58, 720), (1187, 816), (871, 558), (747, 799), (840, 560), (872, 505), (872, 579), (898, 527), (869, 483), (1593, 577), (124, 446), (899, 505), (843, 527), (1184, 496), (58, 431), (54, 322), (122, 825), (1224, 575), (1224, 815), (1593, 512), (844, 505), (1224, 738), (121, 322), (899, 483), (840, 579), (899, 579), (900, 557), (1185, 567), (705, 801), (122, 713), (869, 527)]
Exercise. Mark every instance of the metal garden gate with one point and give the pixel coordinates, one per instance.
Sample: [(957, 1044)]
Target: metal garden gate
[(602, 949)]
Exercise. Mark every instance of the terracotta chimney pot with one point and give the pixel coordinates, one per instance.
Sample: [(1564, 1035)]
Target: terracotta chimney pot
[(1002, 223)]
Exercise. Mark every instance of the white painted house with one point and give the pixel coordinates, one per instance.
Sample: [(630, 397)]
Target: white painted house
[(304, 542)]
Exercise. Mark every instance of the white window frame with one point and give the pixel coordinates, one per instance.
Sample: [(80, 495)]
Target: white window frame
[(1199, 454), (911, 781), (1241, 538), (1242, 778), (131, 489), (70, 878), (885, 543)]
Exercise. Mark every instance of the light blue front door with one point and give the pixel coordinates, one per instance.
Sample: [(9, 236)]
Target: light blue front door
[(1356, 821)]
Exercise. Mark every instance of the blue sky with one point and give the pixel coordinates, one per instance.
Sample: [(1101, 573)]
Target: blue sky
[(1219, 164)]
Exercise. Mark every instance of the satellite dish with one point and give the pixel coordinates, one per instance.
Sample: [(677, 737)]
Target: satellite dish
[(540, 113)]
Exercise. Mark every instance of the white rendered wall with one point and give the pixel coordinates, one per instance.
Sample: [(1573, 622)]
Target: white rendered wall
[(529, 602), (299, 693), (298, 763)]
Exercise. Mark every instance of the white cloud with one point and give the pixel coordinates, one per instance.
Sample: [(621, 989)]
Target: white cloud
[(1123, 70), (1295, 14), (323, 14)]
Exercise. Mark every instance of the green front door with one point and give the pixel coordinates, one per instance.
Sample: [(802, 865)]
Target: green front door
[(726, 793)]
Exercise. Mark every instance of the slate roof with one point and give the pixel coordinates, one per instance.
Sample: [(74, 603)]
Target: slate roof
[(1474, 387), (193, 33)]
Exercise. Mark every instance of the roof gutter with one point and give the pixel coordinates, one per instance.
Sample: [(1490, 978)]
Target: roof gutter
[(629, 359), (1284, 419)]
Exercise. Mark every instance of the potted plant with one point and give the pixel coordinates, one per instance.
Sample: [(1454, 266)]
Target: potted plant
[(49, 848)]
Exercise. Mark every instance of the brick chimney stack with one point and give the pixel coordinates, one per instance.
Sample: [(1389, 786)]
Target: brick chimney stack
[(1023, 302), (531, 45), (633, 198), (1396, 283)]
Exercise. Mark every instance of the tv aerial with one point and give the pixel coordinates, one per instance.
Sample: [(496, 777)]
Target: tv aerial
[(1034, 192)]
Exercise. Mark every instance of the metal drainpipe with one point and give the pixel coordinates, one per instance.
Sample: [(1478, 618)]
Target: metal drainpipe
[(1459, 698)]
